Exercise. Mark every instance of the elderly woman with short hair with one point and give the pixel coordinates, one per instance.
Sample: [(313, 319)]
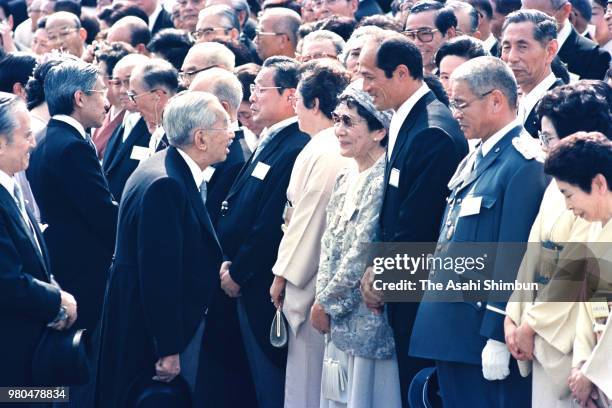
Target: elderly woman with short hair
[(538, 332), (582, 167), (312, 179), (359, 341)]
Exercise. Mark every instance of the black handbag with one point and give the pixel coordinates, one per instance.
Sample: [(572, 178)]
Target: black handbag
[(62, 358)]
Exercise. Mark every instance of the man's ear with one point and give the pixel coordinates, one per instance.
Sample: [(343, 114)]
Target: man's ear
[(451, 32), (82, 34), (566, 10), (19, 90)]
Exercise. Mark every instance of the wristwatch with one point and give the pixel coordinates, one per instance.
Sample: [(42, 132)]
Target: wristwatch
[(61, 316)]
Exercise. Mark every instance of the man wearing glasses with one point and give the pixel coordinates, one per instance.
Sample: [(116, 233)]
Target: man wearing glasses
[(64, 33), (429, 25), (217, 22), (582, 56), (249, 225), (204, 56), (276, 33)]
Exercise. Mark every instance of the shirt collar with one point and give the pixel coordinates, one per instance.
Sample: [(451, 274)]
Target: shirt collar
[(564, 33), (529, 101), (196, 171), (154, 15), (489, 42), (8, 182), (402, 113), (497, 136), (273, 130), (72, 122)]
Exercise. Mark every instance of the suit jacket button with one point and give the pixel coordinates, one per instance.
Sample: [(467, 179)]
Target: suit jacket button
[(479, 304)]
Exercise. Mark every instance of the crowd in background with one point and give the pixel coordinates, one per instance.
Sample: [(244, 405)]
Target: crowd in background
[(173, 175)]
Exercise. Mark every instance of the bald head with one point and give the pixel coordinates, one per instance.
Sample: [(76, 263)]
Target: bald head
[(65, 33), (224, 85), (205, 55), (285, 24), (131, 30)]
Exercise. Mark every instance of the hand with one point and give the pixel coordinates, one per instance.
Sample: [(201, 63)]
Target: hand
[(509, 333), (371, 297), (231, 288), (524, 337), (167, 368), (277, 291), (580, 386), (495, 360), (319, 319), (6, 35), (68, 301)]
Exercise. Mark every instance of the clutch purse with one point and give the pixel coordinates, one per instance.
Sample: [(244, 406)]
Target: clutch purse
[(334, 379), (62, 358), (278, 331)]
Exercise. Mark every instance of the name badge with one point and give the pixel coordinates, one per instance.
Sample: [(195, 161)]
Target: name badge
[(208, 173), (260, 171), (394, 177), (139, 153), (470, 206), (600, 309)]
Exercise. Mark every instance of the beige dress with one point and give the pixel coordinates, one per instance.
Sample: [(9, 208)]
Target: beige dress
[(308, 193), (553, 322)]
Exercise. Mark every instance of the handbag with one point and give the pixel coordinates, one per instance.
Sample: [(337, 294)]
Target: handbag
[(334, 380), (278, 331), (62, 358)]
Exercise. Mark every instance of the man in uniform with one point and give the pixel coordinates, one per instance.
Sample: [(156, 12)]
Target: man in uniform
[(495, 195)]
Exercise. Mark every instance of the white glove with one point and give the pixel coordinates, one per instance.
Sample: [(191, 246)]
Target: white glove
[(495, 360)]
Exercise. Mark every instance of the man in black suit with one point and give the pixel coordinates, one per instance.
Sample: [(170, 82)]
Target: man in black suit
[(71, 190), (159, 18), (528, 47), (582, 56), (167, 256), (249, 226), (129, 143), (425, 147), (29, 298)]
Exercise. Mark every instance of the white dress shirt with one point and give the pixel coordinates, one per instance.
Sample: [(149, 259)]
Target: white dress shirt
[(497, 136), (402, 113), (129, 121), (196, 171), (489, 42), (72, 122), (564, 33), (529, 101), (154, 15)]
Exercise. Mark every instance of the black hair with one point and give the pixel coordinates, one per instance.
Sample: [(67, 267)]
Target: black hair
[(68, 5), (371, 121), (324, 82), (434, 84), (483, 6), (578, 158), (241, 52), (285, 71), (172, 45), (121, 10), (160, 73), (15, 68), (140, 35), (35, 88), (111, 53), (341, 25), (544, 26), (397, 51), (444, 18), (505, 7), (246, 74), (463, 46), (380, 20), (91, 24), (581, 106)]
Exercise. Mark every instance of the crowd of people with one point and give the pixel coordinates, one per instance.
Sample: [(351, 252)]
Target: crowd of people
[(189, 191)]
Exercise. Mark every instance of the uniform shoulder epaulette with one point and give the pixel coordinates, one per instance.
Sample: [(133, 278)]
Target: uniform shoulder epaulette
[(528, 147)]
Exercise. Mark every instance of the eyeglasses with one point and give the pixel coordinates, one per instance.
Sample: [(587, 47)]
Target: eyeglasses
[(61, 35), (258, 90), (103, 90), (461, 106), (205, 32), (185, 75), (119, 82), (319, 3), (424, 35), (259, 33), (345, 120), (316, 55), (546, 139), (133, 96)]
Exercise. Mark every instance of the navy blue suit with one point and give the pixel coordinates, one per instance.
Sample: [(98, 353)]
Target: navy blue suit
[(74, 200), (533, 124), (28, 299), (118, 164), (583, 57), (428, 148), (454, 333), (165, 269)]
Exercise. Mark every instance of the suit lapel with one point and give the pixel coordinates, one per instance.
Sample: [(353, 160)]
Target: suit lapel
[(194, 194), (112, 148), (7, 201), (128, 144)]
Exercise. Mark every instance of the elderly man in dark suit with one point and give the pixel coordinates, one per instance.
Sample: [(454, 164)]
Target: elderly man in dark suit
[(425, 147), (29, 298), (496, 194), (71, 190), (167, 257), (251, 216), (529, 45), (582, 56)]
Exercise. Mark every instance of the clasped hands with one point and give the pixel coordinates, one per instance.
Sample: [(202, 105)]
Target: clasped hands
[(231, 288)]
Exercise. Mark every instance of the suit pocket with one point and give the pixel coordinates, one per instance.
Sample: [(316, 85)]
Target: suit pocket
[(481, 225)]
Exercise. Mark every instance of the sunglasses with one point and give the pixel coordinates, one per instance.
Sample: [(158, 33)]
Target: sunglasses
[(345, 120)]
